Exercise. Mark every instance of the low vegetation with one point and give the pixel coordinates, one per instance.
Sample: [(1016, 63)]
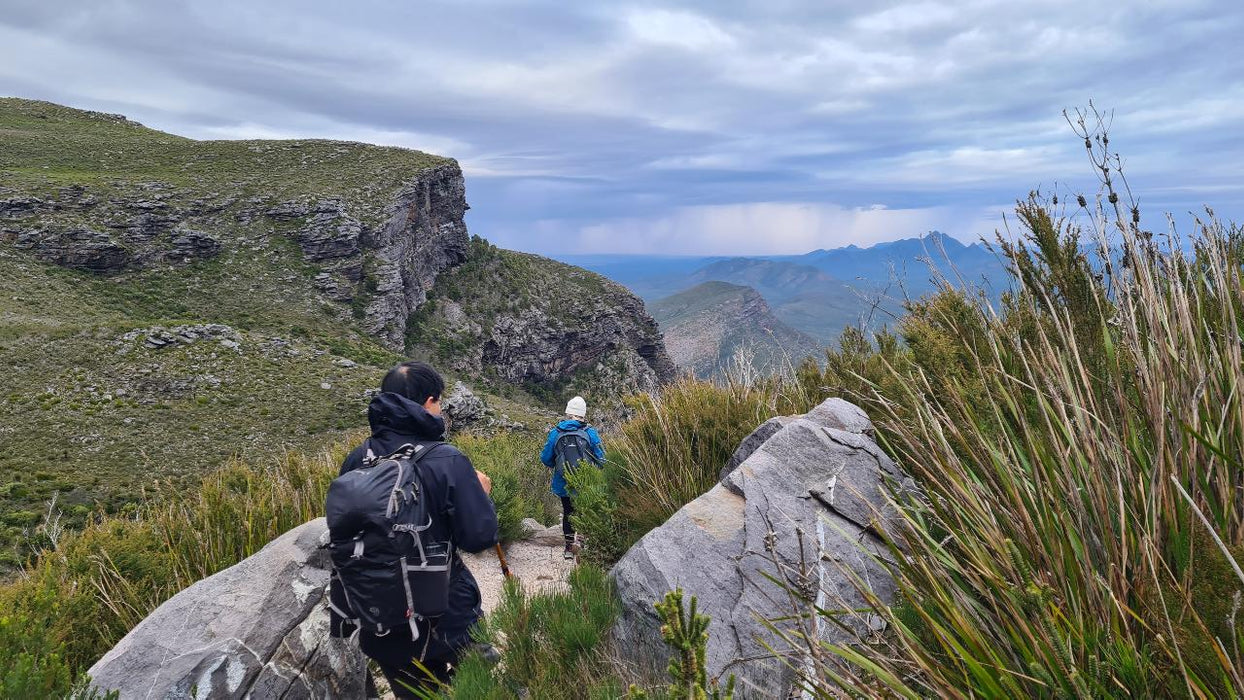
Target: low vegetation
[(92, 586), (1080, 527)]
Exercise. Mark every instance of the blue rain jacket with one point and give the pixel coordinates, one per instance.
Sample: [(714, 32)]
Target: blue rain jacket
[(546, 455)]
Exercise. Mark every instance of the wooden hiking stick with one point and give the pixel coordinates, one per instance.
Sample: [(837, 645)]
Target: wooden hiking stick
[(505, 568)]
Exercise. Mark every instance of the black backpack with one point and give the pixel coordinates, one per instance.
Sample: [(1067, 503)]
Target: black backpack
[(571, 448), (385, 572)]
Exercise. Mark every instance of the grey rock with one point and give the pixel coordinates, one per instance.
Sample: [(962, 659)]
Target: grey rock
[(804, 504), (530, 526), (258, 629), (749, 445), (551, 536), (330, 232), (22, 206), (463, 407), (423, 235), (78, 247), (192, 245)]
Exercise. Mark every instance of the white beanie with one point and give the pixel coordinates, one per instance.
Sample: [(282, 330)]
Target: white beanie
[(576, 407)]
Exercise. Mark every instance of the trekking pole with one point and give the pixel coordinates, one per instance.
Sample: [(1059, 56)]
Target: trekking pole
[(505, 568)]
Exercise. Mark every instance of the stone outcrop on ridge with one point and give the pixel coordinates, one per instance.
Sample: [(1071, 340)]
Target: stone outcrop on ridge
[(801, 501)]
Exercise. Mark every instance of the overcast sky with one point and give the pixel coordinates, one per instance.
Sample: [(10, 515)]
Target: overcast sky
[(717, 127)]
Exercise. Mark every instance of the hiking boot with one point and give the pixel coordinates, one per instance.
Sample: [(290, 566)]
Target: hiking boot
[(572, 549), (487, 652), (568, 554)]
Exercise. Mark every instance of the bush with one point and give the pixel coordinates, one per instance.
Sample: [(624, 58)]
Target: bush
[(551, 644), (520, 483)]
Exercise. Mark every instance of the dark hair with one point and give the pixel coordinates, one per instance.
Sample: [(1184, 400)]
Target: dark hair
[(416, 381)]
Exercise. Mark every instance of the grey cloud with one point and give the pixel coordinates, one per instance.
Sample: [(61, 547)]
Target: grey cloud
[(572, 115)]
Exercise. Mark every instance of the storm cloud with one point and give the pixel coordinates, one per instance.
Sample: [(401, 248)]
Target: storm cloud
[(710, 127)]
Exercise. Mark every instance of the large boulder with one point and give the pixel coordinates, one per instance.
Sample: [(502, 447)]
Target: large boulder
[(258, 629), (801, 502)]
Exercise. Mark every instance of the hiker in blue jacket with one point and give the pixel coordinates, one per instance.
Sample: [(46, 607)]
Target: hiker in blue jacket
[(570, 442)]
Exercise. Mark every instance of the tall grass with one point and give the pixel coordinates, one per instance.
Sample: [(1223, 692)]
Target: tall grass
[(673, 448), (1053, 552), (520, 483), (74, 603)]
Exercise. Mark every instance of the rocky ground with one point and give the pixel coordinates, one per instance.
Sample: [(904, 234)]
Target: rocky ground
[(536, 561)]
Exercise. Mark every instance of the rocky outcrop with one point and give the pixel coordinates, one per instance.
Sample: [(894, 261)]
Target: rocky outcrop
[(258, 629), (390, 266), (463, 408), (803, 504), (130, 229), (539, 344), (79, 247), (556, 330), (424, 235), (380, 251)]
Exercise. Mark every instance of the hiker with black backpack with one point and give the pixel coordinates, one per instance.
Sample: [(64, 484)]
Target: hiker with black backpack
[(570, 443), (403, 506)]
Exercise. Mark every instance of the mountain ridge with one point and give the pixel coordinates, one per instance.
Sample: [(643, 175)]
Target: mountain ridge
[(707, 326), (167, 304)]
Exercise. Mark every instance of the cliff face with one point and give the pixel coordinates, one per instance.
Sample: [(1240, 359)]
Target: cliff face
[(166, 303), (553, 329), (384, 268)]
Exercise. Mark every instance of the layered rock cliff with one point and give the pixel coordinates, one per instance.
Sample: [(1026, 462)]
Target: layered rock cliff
[(376, 251), (554, 329)]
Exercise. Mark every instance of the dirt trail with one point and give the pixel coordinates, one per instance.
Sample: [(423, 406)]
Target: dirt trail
[(540, 567)]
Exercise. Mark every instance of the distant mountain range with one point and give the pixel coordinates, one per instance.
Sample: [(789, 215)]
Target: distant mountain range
[(816, 294)]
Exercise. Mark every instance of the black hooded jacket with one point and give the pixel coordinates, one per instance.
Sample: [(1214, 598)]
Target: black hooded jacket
[(467, 518)]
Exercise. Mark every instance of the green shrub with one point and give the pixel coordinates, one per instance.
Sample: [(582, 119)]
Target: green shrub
[(596, 515), (551, 644), (520, 483)]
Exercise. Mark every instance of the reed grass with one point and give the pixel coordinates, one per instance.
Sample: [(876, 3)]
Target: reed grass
[(75, 602), (1080, 457)]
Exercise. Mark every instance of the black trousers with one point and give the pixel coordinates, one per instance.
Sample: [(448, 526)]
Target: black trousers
[(567, 528), (396, 654)]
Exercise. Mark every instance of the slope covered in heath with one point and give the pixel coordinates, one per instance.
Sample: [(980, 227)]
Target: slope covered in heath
[(166, 303)]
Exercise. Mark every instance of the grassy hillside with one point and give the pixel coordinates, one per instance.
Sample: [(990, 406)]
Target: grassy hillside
[(114, 383), (47, 146)]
